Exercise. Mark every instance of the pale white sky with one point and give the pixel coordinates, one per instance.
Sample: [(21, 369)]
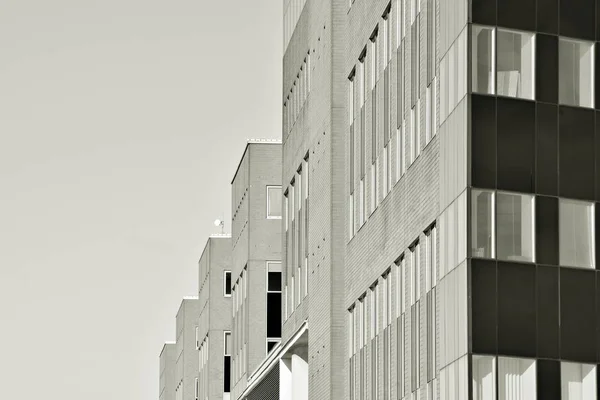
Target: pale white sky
[(121, 124)]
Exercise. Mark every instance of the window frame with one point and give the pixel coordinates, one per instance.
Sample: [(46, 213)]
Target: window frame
[(225, 294), (274, 187)]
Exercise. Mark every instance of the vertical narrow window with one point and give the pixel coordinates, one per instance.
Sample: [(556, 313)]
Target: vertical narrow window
[(483, 59), (300, 234), (351, 346), (374, 59), (578, 381), (515, 227), (351, 85), (273, 303), (197, 339), (428, 113), (362, 81), (306, 220), (516, 59), (483, 230), (576, 72), (415, 61), (227, 284), (399, 285), (196, 389), (413, 136), (576, 233), (274, 199), (286, 210), (373, 329), (484, 378), (227, 362)]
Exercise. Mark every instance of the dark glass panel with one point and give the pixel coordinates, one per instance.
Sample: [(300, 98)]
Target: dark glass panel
[(483, 141), (546, 230), (548, 380), (516, 309), (274, 315), (274, 284), (484, 306), (227, 374), (484, 12), (547, 312), (576, 152), (517, 14), (547, 149), (227, 282), (516, 150), (578, 314), (547, 16), (578, 19), (546, 68)]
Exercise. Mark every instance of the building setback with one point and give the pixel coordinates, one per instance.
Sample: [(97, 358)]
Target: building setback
[(256, 259), (166, 373), (213, 326), (186, 364)]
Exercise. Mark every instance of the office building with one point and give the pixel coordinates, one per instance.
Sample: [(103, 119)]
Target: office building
[(213, 325), (256, 202), (166, 373), (472, 178), (186, 363)]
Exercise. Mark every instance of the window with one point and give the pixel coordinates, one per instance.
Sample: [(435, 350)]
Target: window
[(576, 72), (484, 378), (516, 57), (576, 233), (415, 293), (271, 343), (399, 286), (274, 200), (273, 301), (428, 113), (227, 284), (515, 219), (413, 136), (387, 34), (351, 97), (430, 258), (516, 379), (197, 339), (363, 78), (196, 389), (227, 362), (374, 328), (578, 381), (483, 43), (374, 59), (482, 224)]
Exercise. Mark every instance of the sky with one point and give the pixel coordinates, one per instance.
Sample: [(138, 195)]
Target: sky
[(121, 126)]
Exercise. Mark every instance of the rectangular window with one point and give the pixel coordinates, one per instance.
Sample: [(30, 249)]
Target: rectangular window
[(361, 322), (428, 124), (227, 362), (482, 224), (197, 339), (484, 378), (351, 84), (363, 78), (578, 381), (576, 72), (483, 65), (374, 59), (576, 233), (516, 379), (515, 226), (227, 284), (274, 310), (413, 136), (415, 352), (399, 286), (415, 57), (271, 343), (431, 334), (374, 328), (196, 389), (516, 59), (430, 258), (399, 155), (274, 200)]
